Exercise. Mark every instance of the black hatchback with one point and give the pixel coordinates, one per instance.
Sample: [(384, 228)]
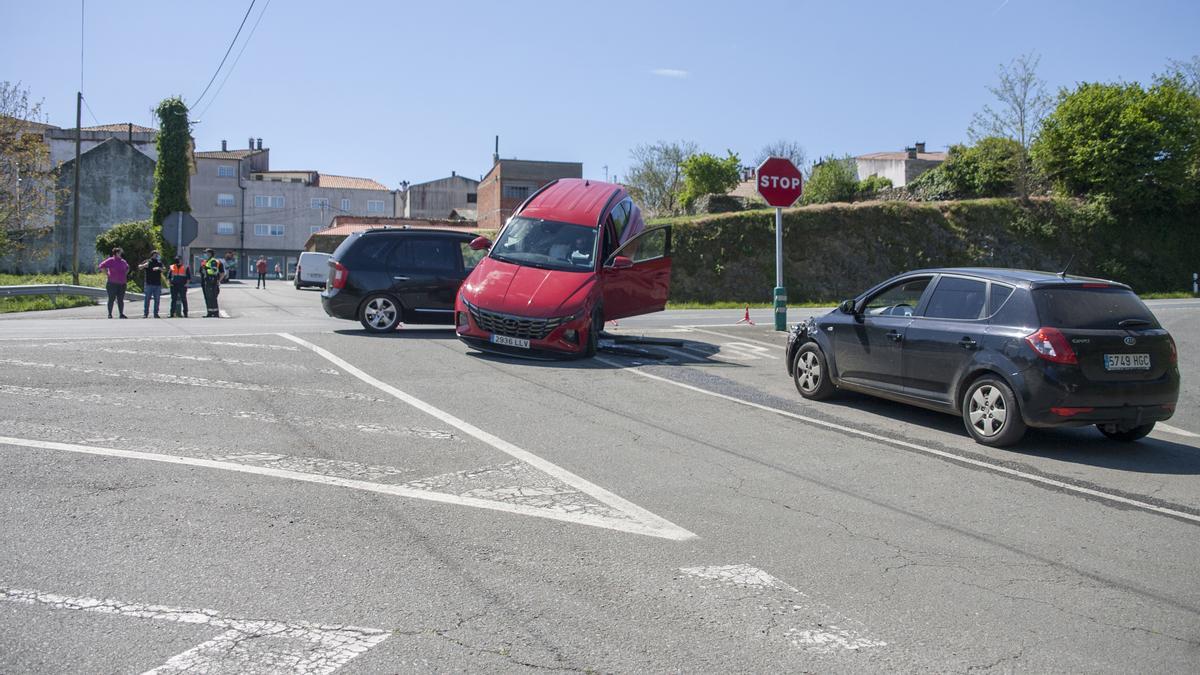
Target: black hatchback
[(1005, 349), (384, 276)]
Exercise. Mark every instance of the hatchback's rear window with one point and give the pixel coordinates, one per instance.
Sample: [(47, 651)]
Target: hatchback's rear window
[(1091, 308)]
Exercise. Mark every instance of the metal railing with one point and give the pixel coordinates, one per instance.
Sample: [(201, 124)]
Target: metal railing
[(59, 289)]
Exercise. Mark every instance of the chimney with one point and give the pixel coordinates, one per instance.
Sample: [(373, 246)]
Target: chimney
[(496, 153), (912, 152), (260, 144), (129, 127), (223, 147), (921, 147), (251, 141), (453, 174)]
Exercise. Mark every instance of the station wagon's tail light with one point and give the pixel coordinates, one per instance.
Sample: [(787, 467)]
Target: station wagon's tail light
[(1174, 350), (1052, 345), (340, 275)]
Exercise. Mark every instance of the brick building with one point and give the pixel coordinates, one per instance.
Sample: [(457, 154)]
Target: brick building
[(511, 181)]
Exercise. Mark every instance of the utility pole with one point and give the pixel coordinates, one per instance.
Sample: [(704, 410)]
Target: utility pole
[(75, 209)]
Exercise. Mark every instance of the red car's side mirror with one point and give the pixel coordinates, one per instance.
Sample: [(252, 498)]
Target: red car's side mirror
[(621, 263), (481, 244)]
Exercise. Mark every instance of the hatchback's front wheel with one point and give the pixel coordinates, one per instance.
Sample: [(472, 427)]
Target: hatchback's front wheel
[(379, 314), (991, 413), (811, 373)]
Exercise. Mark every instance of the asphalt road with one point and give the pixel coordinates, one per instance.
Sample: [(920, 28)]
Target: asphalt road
[(278, 491)]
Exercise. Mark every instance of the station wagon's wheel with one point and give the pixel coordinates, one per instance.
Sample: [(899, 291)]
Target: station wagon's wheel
[(379, 314), (1125, 435), (991, 413), (810, 372)]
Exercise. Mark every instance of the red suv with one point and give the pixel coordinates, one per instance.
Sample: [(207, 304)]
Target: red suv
[(575, 254)]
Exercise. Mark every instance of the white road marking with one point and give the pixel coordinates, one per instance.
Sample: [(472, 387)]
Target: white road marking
[(1162, 426), (192, 381), (646, 522), (640, 521), (246, 646), (197, 359), (825, 639), (134, 339), (996, 468), (736, 337), (251, 345)]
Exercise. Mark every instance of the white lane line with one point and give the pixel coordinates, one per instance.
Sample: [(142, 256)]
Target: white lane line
[(134, 339), (826, 638), (195, 358), (647, 522), (996, 468), (640, 522), (251, 345), (245, 646), (738, 338), (192, 381), (1162, 426)]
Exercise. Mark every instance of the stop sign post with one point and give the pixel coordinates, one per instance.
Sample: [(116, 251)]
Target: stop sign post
[(781, 184)]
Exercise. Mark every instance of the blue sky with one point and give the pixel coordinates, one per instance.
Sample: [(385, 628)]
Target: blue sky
[(412, 91)]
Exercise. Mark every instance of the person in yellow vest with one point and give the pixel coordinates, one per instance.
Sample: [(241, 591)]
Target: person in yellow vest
[(212, 273), (179, 276)]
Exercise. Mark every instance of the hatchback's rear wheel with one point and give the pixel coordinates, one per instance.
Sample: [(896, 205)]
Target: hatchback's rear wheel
[(811, 373), (1125, 434), (991, 413), (379, 314)]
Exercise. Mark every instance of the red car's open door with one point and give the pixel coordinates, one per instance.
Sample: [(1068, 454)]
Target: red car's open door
[(636, 278)]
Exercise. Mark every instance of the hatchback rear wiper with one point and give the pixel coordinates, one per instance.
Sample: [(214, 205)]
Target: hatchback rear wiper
[(1130, 323)]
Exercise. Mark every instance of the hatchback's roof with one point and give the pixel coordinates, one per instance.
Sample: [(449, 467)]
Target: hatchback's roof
[(1024, 278), (572, 200)]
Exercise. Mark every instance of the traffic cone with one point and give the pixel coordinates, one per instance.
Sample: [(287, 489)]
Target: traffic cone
[(746, 318)]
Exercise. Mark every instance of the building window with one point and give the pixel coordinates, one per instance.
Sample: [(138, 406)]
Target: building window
[(472, 197), (224, 228), (374, 206), (225, 200), (318, 203), (264, 230), (345, 204), (225, 171), (516, 191), (268, 202)]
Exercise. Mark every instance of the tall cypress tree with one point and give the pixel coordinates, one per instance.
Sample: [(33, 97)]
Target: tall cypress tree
[(173, 169)]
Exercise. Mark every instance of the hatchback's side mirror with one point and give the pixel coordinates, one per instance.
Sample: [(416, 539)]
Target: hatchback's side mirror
[(847, 307), (620, 263), (481, 244)]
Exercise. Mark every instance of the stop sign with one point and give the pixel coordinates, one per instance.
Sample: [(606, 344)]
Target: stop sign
[(779, 181)]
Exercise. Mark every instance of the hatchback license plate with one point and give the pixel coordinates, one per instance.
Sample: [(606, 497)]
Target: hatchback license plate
[(1127, 362), (510, 341)]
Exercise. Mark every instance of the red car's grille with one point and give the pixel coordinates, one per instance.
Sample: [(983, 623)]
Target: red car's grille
[(514, 326)]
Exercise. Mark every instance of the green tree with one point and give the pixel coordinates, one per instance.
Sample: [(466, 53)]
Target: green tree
[(707, 174), (990, 168), (173, 168), (138, 238), (833, 179), (656, 176), (872, 184), (1137, 147), (28, 181)]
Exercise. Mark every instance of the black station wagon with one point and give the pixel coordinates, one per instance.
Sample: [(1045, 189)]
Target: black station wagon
[(1005, 349)]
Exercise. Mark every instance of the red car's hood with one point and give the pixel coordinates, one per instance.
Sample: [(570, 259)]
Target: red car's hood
[(526, 291)]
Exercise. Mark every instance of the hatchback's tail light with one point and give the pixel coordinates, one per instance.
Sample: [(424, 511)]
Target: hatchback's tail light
[(1052, 345), (1174, 350), (340, 275)]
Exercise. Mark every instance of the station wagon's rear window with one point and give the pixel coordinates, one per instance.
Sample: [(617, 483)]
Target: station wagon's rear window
[(1086, 308)]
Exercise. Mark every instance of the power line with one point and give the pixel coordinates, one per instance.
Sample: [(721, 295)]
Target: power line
[(235, 60), (231, 43), (89, 109)]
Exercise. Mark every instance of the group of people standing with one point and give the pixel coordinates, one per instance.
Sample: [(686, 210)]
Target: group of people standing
[(179, 275)]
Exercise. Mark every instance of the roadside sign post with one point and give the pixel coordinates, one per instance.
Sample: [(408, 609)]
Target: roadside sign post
[(183, 233), (781, 184)]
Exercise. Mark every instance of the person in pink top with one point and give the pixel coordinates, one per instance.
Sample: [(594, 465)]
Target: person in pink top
[(118, 276)]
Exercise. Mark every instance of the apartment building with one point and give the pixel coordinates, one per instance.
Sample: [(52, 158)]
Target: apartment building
[(246, 210), (440, 198), (511, 181)]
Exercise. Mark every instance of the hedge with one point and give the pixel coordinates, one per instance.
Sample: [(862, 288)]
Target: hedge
[(835, 251)]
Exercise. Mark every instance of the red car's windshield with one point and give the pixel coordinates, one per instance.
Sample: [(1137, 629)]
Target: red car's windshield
[(547, 244)]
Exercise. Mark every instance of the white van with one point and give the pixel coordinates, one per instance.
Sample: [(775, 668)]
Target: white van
[(312, 269)]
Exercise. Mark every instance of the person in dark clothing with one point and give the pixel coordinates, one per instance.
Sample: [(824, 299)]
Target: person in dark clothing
[(261, 268), (212, 272), (152, 288), (180, 277), (118, 276)]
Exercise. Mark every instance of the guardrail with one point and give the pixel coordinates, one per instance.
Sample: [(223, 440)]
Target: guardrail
[(59, 289)]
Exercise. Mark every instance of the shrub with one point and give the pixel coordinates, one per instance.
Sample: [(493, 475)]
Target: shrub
[(832, 180), (138, 238), (872, 184), (932, 186), (989, 168)]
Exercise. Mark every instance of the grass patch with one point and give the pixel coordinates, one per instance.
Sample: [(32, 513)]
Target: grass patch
[(33, 303), (1166, 296), (93, 280)]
